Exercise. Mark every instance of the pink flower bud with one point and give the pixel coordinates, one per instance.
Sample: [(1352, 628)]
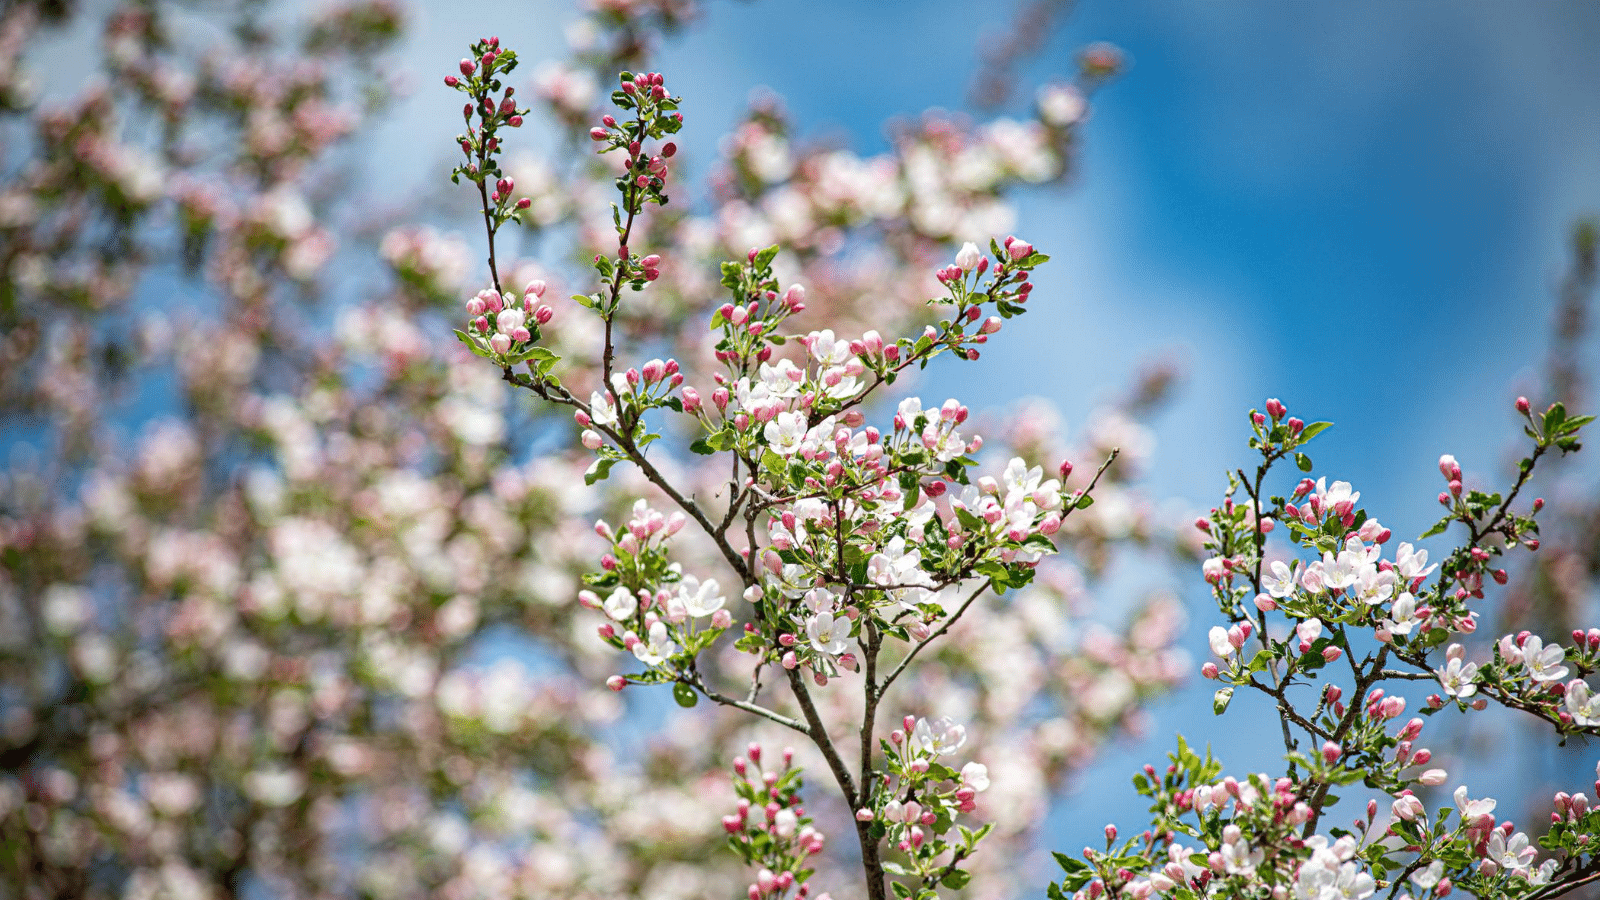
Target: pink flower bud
[(598, 134), (1331, 752), (1019, 250), (1523, 405), (616, 682)]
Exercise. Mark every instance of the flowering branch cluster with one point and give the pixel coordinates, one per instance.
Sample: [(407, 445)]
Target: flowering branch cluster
[(1349, 600), (854, 548), (480, 80), (778, 838)]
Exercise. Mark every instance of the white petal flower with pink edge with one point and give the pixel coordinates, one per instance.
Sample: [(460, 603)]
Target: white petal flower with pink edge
[(829, 634), (1459, 679), (621, 604), (700, 598), (655, 651), (1544, 663), (1279, 579), (1220, 645)]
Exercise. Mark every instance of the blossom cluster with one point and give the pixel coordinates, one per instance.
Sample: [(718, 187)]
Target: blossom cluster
[(1381, 615), (876, 541)]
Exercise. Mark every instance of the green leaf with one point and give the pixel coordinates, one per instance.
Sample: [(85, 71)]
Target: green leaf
[(1219, 702), (598, 470), (473, 345), (1303, 462), (1553, 418), (685, 695), (702, 447), (1312, 430), (1084, 502), (957, 879), (1070, 864), (1438, 527)]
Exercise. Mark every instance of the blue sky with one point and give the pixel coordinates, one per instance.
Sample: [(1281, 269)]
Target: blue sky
[(1357, 207)]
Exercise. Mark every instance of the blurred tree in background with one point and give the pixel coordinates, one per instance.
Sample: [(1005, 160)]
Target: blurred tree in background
[(287, 585)]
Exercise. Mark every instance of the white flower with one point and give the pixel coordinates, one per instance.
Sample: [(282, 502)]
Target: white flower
[(1459, 679), (1220, 645), (944, 444), (621, 604), (1512, 853), (828, 634), (1060, 105), (975, 775), (900, 572), (1341, 571), (1473, 809), (1239, 858), (1375, 585), (1544, 663), (658, 648), (1412, 564), (820, 600), (783, 379), (1403, 615), (785, 433), (1339, 493), (601, 410), (1584, 706), (700, 598), (827, 350), (1544, 873), (942, 737), (908, 410), (1425, 878), (1279, 580)]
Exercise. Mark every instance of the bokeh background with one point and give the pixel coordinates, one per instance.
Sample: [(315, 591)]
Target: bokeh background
[(1363, 209)]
